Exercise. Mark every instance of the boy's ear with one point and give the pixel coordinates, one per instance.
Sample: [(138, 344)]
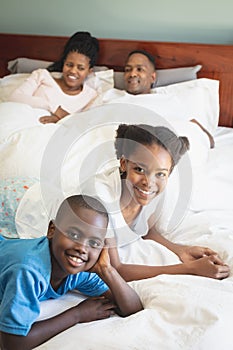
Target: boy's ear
[(51, 230)]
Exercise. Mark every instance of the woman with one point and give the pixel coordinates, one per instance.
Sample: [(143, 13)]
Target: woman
[(64, 93)]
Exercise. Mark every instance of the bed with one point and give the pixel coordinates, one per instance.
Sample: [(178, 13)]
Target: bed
[(180, 312)]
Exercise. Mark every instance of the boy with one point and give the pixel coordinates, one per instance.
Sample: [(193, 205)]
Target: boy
[(72, 256)]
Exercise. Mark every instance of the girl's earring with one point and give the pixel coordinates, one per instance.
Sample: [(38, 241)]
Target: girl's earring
[(122, 171), (122, 166)]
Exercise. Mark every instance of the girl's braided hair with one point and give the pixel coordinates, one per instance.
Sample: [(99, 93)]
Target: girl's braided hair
[(148, 135)]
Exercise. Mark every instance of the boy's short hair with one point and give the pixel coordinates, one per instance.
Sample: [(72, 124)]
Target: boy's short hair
[(84, 201)]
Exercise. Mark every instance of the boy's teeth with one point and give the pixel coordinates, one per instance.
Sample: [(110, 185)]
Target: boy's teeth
[(75, 259)]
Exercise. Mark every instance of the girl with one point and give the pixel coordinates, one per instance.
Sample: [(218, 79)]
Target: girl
[(147, 157), (67, 93)]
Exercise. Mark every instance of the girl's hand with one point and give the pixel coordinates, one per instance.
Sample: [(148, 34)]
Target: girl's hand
[(209, 266), (94, 309), (189, 253)]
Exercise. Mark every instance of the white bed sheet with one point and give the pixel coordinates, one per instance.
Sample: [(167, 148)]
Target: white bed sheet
[(181, 312)]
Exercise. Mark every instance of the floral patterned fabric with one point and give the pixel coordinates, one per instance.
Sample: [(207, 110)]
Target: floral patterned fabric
[(12, 191)]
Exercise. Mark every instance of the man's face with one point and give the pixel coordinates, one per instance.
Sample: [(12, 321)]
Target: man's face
[(139, 74)]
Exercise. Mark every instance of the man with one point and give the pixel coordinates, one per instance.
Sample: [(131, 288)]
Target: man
[(140, 72), (139, 77)]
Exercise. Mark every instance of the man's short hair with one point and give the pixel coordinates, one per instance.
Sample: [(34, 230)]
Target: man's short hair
[(145, 53)]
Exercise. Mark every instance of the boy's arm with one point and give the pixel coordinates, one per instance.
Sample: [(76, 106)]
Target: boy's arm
[(40, 332), (19, 333), (125, 298), (88, 310)]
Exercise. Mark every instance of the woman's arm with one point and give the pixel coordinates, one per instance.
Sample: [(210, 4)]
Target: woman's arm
[(55, 117), (25, 92), (126, 299)]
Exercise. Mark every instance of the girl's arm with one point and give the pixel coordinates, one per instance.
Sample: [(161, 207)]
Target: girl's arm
[(126, 299), (208, 266), (184, 252)]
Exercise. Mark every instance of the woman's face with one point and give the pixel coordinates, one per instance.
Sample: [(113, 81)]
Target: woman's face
[(75, 70), (147, 171)]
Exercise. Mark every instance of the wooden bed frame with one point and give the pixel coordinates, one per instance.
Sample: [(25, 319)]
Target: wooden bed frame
[(216, 60)]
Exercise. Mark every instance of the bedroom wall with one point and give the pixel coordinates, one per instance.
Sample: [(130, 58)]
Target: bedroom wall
[(199, 21)]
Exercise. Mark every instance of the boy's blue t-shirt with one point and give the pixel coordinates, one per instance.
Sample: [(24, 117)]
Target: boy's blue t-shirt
[(25, 269)]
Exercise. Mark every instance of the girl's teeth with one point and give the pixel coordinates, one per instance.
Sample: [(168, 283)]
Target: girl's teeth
[(145, 192)]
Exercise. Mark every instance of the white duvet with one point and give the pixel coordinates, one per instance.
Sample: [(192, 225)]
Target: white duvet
[(181, 312)]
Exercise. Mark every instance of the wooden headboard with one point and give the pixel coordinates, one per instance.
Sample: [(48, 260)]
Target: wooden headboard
[(216, 60)]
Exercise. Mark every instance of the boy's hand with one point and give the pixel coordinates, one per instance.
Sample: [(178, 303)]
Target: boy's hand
[(102, 263), (94, 309)]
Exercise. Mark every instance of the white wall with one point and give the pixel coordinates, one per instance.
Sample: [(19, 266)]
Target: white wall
[(208, 21)]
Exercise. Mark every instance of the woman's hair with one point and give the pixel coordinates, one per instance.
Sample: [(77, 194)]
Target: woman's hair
[(81, 42), (145, 53), (148, 135)]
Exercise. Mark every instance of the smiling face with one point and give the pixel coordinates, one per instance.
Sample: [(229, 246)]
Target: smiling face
[(147, 171), (75, 70), (139, 74), (76, 241)]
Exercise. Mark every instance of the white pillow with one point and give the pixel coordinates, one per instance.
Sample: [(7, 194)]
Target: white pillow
[(9, 83), (101, 81), (28, 65), (200, 99), (196, 99), (164, 76)]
